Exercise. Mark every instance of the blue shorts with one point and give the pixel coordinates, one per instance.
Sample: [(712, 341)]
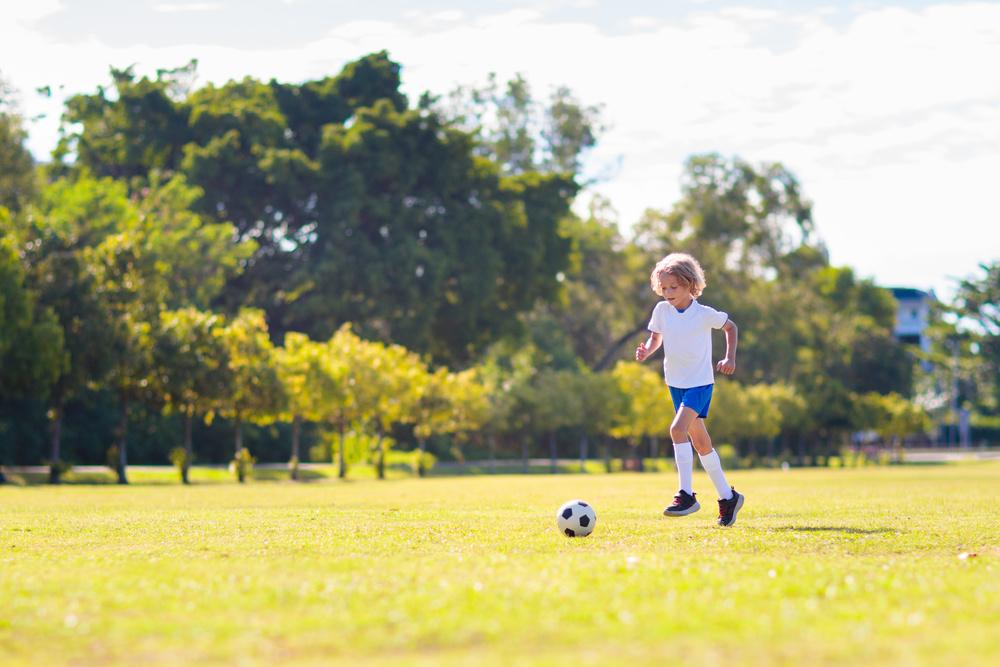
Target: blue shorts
[(696, 398)]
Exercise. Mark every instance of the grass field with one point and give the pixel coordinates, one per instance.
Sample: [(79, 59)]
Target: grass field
[(823, 567)]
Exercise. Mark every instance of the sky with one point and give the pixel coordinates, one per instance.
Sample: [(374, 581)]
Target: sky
[(887, 112)]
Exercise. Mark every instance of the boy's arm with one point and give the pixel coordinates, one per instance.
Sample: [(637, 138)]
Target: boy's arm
[(727, 366), (649, 347)]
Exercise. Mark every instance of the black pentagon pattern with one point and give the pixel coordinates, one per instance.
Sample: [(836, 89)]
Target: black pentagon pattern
[(567, 513), (570, 533), (583, 504), (584, 520)]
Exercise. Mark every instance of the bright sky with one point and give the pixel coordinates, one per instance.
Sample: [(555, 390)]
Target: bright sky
[(888, 112)]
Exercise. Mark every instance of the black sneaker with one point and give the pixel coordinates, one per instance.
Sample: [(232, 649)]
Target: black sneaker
[(729, 508), (684, 504)]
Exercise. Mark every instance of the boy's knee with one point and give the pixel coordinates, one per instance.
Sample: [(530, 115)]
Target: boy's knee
[(702, 448), (678, 434)]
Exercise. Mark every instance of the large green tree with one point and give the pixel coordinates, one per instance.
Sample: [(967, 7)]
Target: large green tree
[(362, 208), (32, 356), (59, 234)]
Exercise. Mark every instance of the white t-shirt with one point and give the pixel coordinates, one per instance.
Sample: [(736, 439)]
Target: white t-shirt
[(687, 342)]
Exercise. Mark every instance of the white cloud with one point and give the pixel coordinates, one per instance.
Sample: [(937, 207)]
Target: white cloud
[(176, 7), (888, 120)]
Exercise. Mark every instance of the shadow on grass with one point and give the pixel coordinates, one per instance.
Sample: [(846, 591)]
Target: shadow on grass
[(835, 529)]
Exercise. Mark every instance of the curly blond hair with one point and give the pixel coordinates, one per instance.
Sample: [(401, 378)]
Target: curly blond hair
[(684, 268)]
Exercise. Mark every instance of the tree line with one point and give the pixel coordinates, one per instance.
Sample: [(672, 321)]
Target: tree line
[(362, 269)]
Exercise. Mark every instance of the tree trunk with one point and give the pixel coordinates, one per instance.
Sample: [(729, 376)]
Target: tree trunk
[(380, 449), (188, 446), (584, 442), (422, 445), (296, 434), (654, 447), (341, 456), (553, 453), (607, 456), (238, 436), (122, 443), (239, 433), (524, 454), (491, 439), (55, 465)]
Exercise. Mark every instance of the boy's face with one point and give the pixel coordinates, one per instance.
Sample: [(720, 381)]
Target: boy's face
[(675, 292)]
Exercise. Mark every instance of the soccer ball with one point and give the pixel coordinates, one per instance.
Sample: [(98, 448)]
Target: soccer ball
[(576, 519)]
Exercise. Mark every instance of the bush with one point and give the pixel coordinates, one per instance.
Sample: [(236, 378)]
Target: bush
[(182, 461), (61, 467), (321, 453), (729, 456), (242, 464), (426, 460)]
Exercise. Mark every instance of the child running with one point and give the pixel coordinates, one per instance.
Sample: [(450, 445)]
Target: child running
[(684, 327)]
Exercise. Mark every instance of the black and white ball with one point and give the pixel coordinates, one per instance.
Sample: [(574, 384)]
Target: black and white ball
[(576, 519)]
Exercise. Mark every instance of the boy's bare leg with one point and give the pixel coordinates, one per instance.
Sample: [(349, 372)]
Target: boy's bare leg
[(700, 438)]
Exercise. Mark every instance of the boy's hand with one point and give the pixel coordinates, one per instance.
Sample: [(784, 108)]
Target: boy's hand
[(726, 366), (641, 353)]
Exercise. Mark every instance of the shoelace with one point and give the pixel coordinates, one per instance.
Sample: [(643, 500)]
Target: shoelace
[(722, 507)]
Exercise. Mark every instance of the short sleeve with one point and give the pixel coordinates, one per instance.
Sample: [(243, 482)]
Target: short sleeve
[(656, 324), (716, 318)]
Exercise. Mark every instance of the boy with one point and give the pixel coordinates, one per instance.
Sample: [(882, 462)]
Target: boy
[(684, 326)]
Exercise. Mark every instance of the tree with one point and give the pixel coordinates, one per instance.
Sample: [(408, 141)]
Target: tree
[(344, 373), (362, 210), (602, 402), (645, 414), (191, 366), (162, 257), (300, 367), (978, 298), (59, 235), (470, 403), (431, 413), (31, 342), (556, 405), (389, 391), (127, 283), (602, 296), (520, 133), (255, 394), (18, 185)]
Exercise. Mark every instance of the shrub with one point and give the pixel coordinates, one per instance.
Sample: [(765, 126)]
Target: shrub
[(182, 461), (242, 464), (729, 456)]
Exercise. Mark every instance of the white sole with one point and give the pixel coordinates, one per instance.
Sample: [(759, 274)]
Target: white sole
[(691, 510)]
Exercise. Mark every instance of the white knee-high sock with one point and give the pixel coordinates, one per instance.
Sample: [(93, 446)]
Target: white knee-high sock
[(713, 466), (684, 460)]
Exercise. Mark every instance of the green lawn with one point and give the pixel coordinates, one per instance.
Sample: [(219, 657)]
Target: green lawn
[(852, 566)]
